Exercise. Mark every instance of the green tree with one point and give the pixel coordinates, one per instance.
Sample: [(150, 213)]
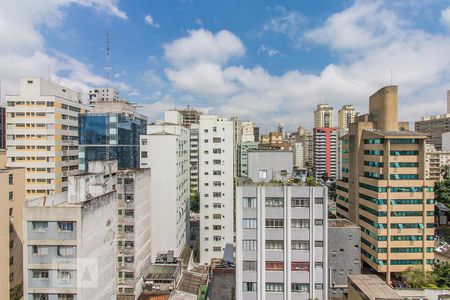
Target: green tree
[(195, 202), (441, 274), (417, 278), (311, 181), (442, 191)]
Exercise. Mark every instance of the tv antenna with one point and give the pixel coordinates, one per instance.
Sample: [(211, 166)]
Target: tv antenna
[(107, 57)]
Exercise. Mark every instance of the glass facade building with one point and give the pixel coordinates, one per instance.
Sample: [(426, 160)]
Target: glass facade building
[(104, 136)]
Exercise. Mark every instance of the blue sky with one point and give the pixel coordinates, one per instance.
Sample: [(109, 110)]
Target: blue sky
[(267, 61)]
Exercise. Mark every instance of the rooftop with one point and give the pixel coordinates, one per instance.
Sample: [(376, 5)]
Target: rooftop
[(162, 272), (373, 287), (399, 133), (341, 223)]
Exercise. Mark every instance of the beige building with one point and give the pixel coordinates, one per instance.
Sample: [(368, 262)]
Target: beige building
[(42, 134), (385, 191), (369, 287), (434, 126), (437, 162), (12, 192), (323, 116), (346, 116)]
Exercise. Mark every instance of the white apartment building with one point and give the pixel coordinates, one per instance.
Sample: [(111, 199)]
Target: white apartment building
[(70, 246), (42, 134), (165, 150), (281, 242), (103, 94), (346, 116), (194, 134), (247, 132), (323, 116), (299, 155), (215, 186), (436, 162)]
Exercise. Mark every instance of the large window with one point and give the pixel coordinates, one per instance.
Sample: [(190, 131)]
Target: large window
[(274, 244), (274, 201), (249, 287), (40, 226), (404, 176), (249, 245), (299, 202), (40, 274), (300, 223), (249, 202), (404, 152), (274, 223), (300, 287), (404, 141), (274, 287), (274, 266), (249, 265), (300, 266), (300, 245), (248, 223), (374, 141)]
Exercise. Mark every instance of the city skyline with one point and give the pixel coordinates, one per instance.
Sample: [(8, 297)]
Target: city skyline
[(293, 56)]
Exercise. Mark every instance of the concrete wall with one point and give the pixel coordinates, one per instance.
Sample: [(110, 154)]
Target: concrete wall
[(273, 162)]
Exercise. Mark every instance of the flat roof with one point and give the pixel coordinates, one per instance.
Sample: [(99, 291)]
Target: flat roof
[(161, 272), (399, 133), (341, 223), (373, 287)]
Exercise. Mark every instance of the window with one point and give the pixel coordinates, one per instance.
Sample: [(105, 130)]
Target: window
[(129, 244), (274, 266), (248, 223), (11, 196), (217, 238), (274, 287), (300, 245), (274, 223), (65, 226), (262, 174), (318, 244), (144, 154), (40, 296), (217, 140), (217, 151), (217, 249), (318, 264), (318, 222), (300, 287), (274, 201), (318, 200), (144, 142), (129, 228), (318, 286), (64, 274), (40, 274), (249, 287), (40, 250), (249, 265), (217, 172), (40, 226), (66, 250), (11, 179), (129, 213), (300, 266), (299, 223), (215, 205), (249, 202), (217, 216), (249, 245), (217, 227), (274, 244), (65, 297), (299, 202)]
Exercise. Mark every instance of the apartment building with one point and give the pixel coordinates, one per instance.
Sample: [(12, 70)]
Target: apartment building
[(325, 159), (70, 239), (261, 165), (216, 186), (281, 235), (194, 135), (324, 116), (165, 150), (103, 94), (190, 116), (256, 133), (12, 192), (111, 131), (2, 127), (346, 116), (133, 231), (385, 191), (434, 127), (42, 134), (437, 163), (242, 157), (299, 155)]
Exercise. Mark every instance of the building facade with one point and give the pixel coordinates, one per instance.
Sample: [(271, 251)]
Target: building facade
[(299, 155), (2, 127), (70, 239), (281, 242), (194, 135), (190, 116), (42, 134), (344, 255), (12, 195), (385, 191), (325, 158), (324, 116), (215, 186), (346, 116), (434, 127), (165, 150), (111, 132), (242, 157), (437, 163), (103, 94), (270, 165)]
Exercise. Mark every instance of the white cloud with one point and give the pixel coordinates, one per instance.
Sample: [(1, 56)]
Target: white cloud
[(269, 51), (445, 17), (148, 19), (23, 50), (369, 39), (288, 22), (203, 46), (152, 79)]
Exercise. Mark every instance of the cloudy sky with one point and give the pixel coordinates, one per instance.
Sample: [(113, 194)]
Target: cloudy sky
[(267, 61)]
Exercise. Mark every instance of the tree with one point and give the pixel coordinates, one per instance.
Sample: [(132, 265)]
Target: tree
[(195, 202), (441, 274), (442, 191), (417, 278), (311, 181)]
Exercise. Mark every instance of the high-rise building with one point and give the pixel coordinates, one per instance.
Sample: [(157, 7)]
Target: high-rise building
[(242, 157), (216, 186), (436, 163), (190, 116), (111, 132), (325, 152), (165, 150), (247, 132), (42, 134), (385, 191), (281, 237), (346, 116), (103, 94), (70, 239), (299, 155), (134, 206), (256, 133), (323, 116), (2, 127), (12, 195), (194, 134), (434, 127)]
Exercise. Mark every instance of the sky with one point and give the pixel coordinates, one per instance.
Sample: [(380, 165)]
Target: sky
[(267, 61)]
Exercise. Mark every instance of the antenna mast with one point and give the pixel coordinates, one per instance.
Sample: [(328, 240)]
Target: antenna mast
[(107, 58)]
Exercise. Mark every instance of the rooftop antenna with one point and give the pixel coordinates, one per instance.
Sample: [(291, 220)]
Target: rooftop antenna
[(107, 57)]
